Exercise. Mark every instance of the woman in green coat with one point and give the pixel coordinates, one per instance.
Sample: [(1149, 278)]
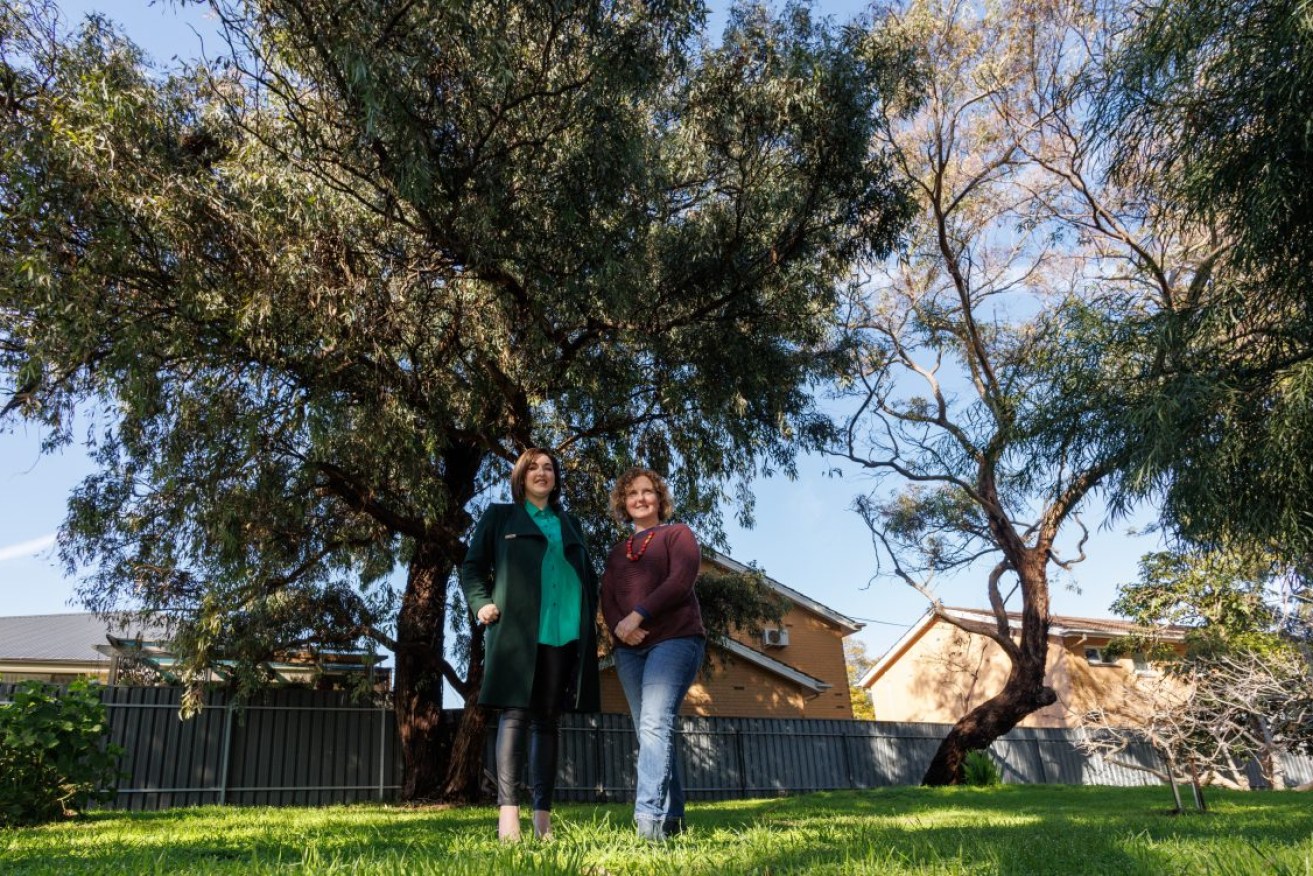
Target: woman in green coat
[(528, 579)]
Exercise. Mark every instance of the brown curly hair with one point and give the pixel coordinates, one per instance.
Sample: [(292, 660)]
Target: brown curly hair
[(665, 505)]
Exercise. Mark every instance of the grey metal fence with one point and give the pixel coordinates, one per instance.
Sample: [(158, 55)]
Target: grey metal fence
[(287, 748), (297, 747)]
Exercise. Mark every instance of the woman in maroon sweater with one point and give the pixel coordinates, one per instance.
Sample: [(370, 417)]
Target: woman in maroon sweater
[(650, 607)]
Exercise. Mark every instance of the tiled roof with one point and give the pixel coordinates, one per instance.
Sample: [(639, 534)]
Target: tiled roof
[(1062, 625), (70, 636)]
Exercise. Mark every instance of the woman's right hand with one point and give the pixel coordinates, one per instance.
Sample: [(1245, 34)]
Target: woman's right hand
[(488, 614), (629, 630)]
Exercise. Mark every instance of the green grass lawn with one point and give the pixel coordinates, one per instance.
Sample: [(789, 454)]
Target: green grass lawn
[(1011, 829)]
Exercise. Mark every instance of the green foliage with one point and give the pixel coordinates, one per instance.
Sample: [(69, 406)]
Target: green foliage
[(900, 831), (943, 524), (1222, 597), (857, 663), (1223, 589), (1207, 104), (1217, 90), (979, 769), (52, 753), (737, 602)]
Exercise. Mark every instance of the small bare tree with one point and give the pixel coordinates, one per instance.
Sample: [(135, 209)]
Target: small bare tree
[(1210, 716)]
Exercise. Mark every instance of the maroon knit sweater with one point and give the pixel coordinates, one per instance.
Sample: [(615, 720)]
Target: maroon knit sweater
[(658, 585)]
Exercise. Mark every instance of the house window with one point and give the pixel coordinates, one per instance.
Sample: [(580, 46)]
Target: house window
[(1096, 657), (1099, 657)]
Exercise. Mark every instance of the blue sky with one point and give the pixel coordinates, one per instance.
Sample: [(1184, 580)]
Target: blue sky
[(806, 536)]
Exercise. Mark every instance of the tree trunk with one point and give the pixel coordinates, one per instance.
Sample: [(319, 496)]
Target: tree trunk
[(1196, 788), (421, 627), (464, 781), (1269, 761), (1024, 692), (1176, 789)]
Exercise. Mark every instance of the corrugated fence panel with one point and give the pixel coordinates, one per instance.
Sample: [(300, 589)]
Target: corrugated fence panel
[(581, 749), (1294, 770), (709, 759), (1019, 760), (300, 747), (1063, 762), (764, 774), (621, 750), (1298, 770), (169, 761), (311, 748), (892, 753), (1132, 767)]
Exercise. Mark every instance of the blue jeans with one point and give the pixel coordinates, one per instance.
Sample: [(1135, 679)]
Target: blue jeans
[(655, 679)]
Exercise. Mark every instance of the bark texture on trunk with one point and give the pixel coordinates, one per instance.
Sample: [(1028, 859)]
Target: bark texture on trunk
[(464, 779), (1023, 693), (421, 624)]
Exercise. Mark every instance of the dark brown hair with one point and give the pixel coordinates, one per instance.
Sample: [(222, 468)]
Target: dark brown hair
[(665, 505), (521, 471)]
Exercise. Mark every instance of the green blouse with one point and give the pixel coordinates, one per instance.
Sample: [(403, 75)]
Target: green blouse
[(562, 593)]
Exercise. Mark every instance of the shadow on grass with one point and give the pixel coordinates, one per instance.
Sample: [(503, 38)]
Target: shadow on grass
[(177, 839)]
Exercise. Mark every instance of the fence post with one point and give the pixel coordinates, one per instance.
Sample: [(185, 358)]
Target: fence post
[(382, 746), (845, 737), (225, 755), (741, 760), (599, 759)]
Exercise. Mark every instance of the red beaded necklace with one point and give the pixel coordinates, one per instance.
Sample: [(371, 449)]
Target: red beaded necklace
[(642, 549)]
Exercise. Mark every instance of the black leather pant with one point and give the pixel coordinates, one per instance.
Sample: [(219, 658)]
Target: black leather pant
[(552, 678)]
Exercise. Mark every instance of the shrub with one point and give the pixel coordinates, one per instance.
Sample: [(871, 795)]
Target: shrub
[(51, 752), (979, 769)]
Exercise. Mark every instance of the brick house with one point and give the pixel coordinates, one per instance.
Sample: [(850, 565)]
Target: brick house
[(794, 671), (938, 671)]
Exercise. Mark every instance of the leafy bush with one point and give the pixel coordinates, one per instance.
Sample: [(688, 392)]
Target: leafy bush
[(51, 753), (980, 769)]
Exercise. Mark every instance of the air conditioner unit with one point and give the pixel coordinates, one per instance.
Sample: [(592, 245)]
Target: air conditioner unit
[(775, 638)]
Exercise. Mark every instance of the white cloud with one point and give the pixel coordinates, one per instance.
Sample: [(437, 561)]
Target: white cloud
[(26, 548)]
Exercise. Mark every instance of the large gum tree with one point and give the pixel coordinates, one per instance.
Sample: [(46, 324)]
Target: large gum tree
[(314, 294), (977, 401)]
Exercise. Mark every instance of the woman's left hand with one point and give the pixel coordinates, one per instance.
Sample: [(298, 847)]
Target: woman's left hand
[(629, 630)]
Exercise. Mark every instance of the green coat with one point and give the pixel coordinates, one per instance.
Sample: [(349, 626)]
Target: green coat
[(504, 566)]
